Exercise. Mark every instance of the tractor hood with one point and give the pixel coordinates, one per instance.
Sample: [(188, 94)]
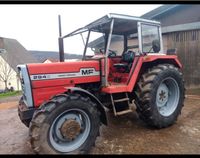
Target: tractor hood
[(42, 81), (65, 73)]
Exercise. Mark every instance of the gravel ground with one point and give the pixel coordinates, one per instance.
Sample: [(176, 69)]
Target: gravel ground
[(124, 135), (10, 99)]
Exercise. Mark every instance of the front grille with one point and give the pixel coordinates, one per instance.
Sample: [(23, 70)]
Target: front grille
[(25, 85), (22, 83)]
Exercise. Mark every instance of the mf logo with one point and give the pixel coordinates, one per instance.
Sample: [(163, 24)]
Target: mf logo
[(87, 71)]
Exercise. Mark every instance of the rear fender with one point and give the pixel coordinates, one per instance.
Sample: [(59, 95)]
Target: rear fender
[(170, 59), (149, 61), (100, 106)]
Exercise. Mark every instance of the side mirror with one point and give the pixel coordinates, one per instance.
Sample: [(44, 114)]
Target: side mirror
[(156, 45)]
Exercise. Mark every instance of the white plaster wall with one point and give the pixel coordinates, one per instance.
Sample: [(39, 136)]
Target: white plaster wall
[(14, 81)]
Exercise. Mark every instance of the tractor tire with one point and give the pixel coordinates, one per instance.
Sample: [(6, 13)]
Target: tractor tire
[(159, 95), (67, 124), (26, 122)]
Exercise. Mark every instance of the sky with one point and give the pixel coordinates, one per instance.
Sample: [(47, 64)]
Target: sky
[(36, 26)]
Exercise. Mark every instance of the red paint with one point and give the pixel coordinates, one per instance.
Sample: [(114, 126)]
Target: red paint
[(44, 94), (43, 90), (61, 67), (128, 87), (150, 58)]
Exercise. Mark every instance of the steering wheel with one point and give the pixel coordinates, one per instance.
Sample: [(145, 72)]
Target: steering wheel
[(112, 53)]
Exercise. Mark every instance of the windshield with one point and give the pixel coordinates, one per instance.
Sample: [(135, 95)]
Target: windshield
[(150, 33), (94, 39), (75, 44)]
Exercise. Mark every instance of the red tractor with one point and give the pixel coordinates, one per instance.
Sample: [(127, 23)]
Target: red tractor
[(65, 103)]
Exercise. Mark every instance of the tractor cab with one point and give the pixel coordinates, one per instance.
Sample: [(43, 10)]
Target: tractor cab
[(124, 39)]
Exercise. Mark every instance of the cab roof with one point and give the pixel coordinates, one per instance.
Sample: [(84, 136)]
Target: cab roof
[(123, 24)]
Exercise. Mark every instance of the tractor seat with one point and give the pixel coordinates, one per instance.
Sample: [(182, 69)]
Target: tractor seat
[(126, 62)]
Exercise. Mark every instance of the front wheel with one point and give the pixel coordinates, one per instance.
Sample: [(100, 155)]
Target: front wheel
[(67, 124), (160, 95)]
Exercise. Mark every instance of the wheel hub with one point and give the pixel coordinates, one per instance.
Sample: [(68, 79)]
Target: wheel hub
[(70, 129), (162, 95), (167, 96)]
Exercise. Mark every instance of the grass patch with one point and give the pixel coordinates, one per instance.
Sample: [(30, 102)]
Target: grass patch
[(8, 94), (195, 91)]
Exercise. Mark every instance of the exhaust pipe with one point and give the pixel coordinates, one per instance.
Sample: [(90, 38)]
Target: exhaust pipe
[(60, 41)]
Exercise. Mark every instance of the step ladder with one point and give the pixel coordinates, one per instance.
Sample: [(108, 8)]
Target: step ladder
[(128, 110)]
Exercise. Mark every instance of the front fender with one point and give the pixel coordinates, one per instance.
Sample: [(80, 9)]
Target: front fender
[(100, 106)]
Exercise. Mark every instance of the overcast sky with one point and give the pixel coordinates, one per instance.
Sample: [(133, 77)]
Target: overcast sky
[(36, 26)]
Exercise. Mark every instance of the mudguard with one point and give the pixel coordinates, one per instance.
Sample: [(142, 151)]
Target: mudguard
[(100, 106)]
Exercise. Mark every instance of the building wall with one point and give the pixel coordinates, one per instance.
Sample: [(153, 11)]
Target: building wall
[(187, 44), (14, 81), (118, 46), (180, 15)]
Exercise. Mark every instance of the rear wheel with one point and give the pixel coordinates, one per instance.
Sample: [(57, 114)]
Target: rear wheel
[(67, 124), (160, 95)]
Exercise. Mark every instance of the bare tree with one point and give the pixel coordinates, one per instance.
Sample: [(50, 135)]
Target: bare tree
[(6, 72)]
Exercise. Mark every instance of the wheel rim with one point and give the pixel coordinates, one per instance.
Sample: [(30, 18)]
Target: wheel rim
[(69, 130), (167, 96)]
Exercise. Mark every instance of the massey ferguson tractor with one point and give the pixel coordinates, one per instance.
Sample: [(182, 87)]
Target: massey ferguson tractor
[(65, 103)]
